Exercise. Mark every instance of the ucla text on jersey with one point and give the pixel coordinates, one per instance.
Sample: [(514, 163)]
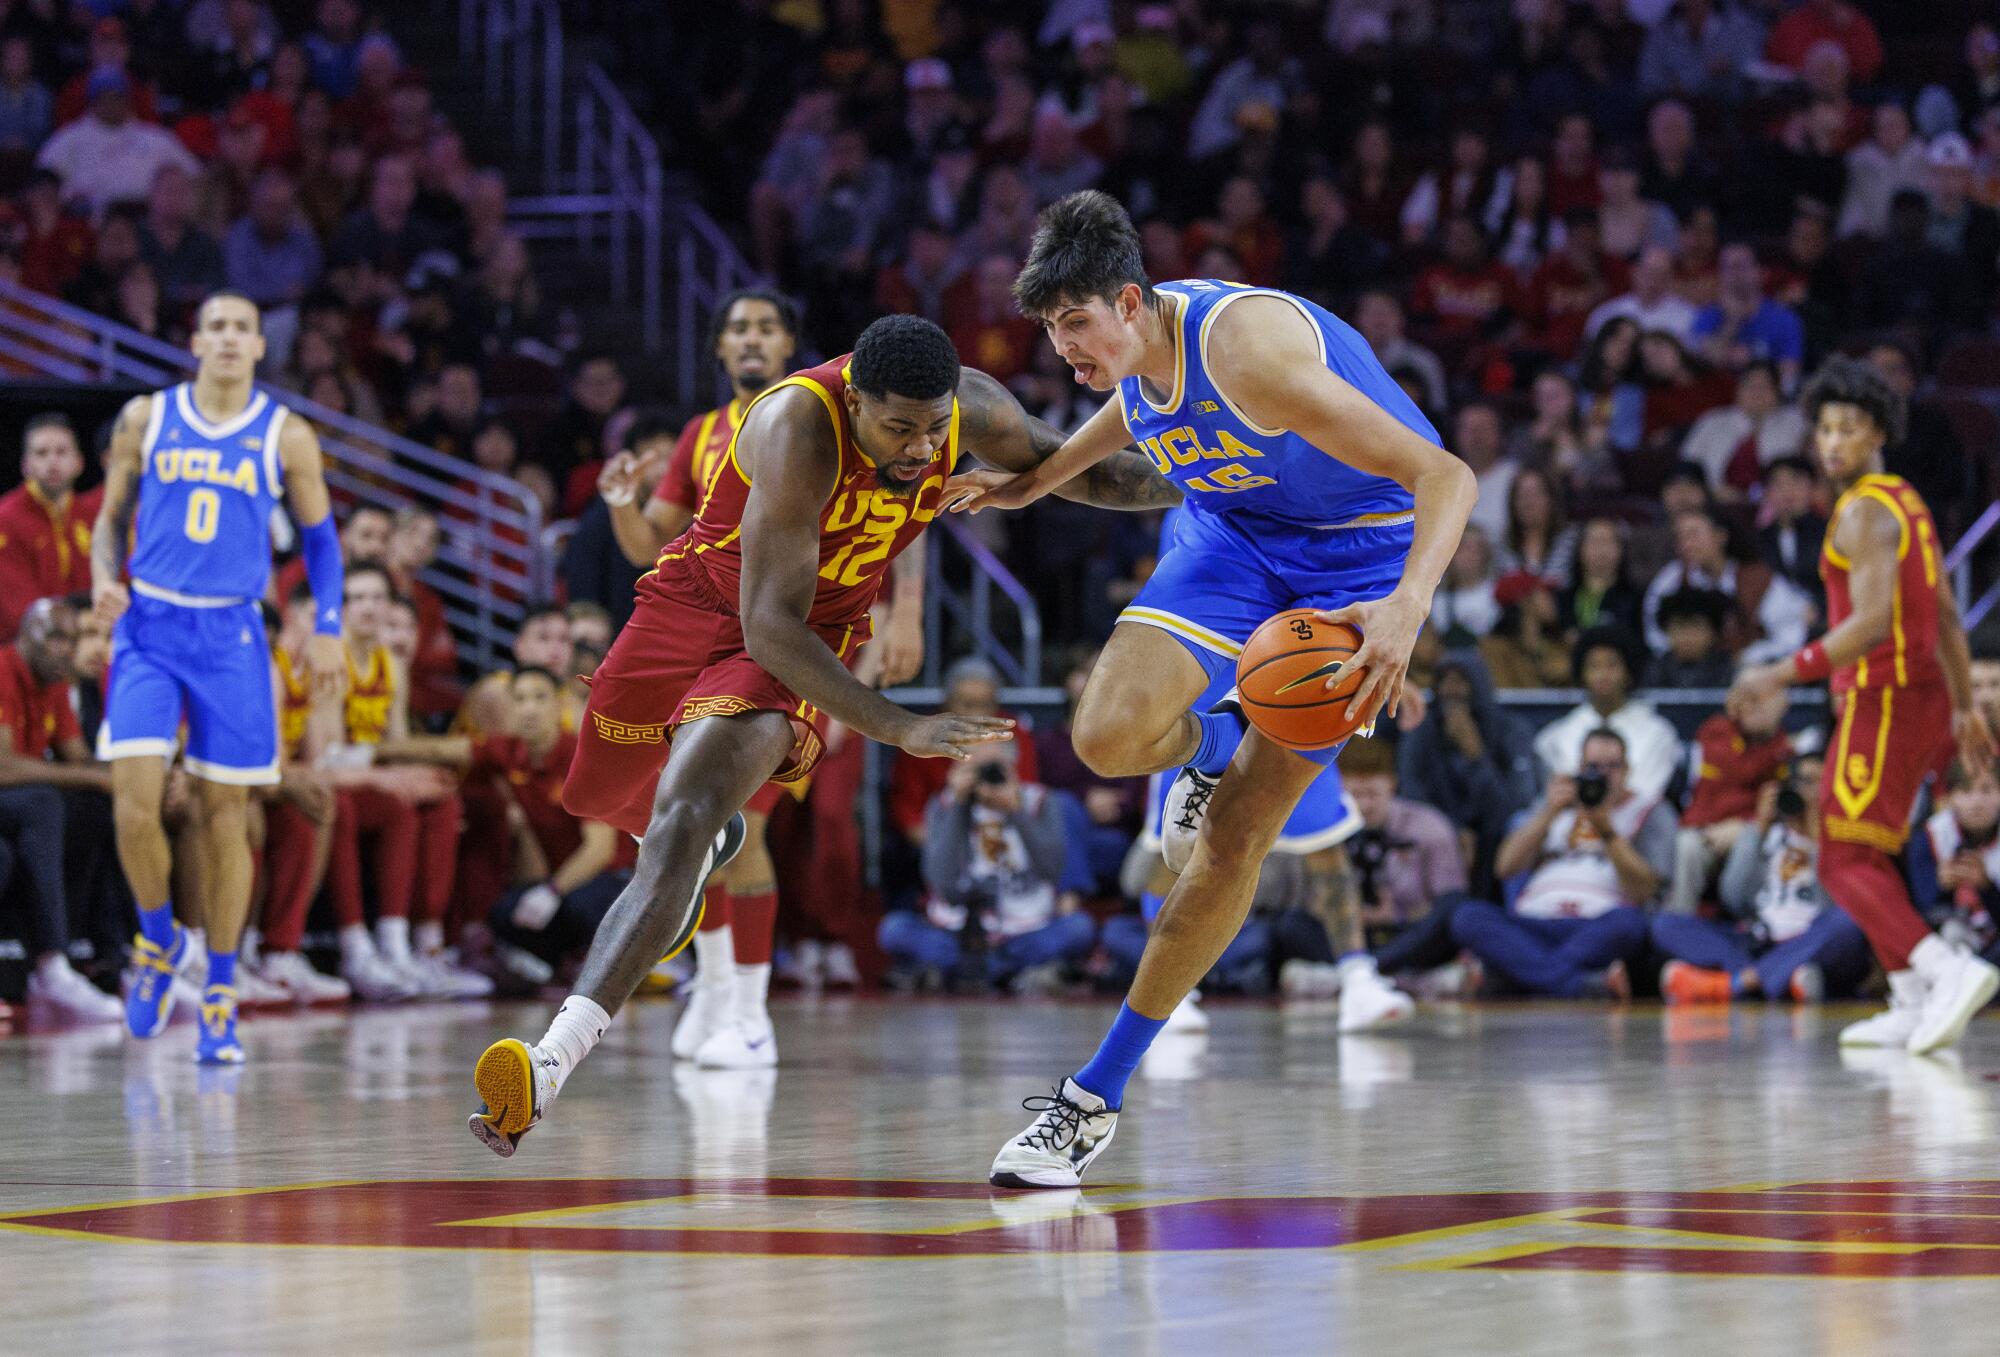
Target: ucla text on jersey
[(1225, 464), (206, 493)]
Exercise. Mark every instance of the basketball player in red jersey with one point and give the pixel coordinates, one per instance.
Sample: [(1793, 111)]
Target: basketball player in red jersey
[(1901, 674), (726, 1024), (736, 653)]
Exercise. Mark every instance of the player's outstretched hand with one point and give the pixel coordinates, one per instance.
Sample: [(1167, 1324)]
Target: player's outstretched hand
[(975, 490), (326, 661), (1973, 737), (618, 482), (945, 736), (1388, 628), (109, 601)]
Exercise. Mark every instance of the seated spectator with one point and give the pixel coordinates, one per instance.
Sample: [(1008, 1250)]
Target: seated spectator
[(1677, 174), (1607, 667), (364, 536), (110, 49), (1929, 455), (1734, 443), (1737, 752), (1701, 48), (36, 721), (1628, 223), (1477, 438), (1468, 757), (1610, 395), (993, 858), (575, 437), (1744, 326), (1539, 541), (540, 642), (1794, 37), (1111, 806), (185, 260), (114, 252), (1893, 160), (1570, 285), (1986, 688), (1967, 230), (1378, 315), (1601, 594), (105, 156), (1781, 938), (57, 243), (1680, 389), (385, 234), (1527, 647), (1768, 615), (1466, 299), (45, 525), (1652, 302), (1330, 259), (1406, 874), (1599, 854), (985, 325), (435, 690), (1464, 608), (455, 418), (26, 110), (971, 688), (1692, 619), (1954, 864), (1555, 442), (1794, 529)]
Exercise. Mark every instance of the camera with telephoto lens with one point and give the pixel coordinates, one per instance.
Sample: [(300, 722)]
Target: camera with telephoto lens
[(1593, 785), (991, 775), (1791, 802), (1368, 850)]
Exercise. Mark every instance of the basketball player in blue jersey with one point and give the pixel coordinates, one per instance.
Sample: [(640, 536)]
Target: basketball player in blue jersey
[(1310, 480), (201, 466)]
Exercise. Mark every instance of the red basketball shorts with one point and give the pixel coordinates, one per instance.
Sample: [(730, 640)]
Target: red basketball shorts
[(1886, 742)]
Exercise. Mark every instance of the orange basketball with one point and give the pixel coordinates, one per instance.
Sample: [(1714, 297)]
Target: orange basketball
[(1281, 677)]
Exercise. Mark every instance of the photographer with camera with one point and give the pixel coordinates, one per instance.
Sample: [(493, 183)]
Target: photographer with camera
[(1782, 937), (1600, 854), (1469, 758), (993, 855)]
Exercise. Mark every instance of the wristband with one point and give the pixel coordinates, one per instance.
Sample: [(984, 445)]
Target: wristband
[(1811, 663), (320, 544)]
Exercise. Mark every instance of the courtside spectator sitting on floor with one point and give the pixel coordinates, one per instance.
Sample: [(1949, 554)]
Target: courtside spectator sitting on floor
[(1600, 854), (1606, 670), (44, 524), (1954, 864), (1781, 938), (1738, 752)]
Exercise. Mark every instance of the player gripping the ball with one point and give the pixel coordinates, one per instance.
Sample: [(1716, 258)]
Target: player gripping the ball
[(1311, 481)]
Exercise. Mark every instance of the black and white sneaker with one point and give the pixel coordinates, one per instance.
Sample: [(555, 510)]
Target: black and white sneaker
[(1073, 1127), (1187, 800), (728, 843)]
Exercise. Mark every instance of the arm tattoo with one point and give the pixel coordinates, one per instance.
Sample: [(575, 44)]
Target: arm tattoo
[(1124, 480)]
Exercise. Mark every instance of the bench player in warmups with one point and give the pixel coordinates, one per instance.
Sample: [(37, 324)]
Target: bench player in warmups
[(202, 466), (737, 652), (1897, 661), (1312, 480)]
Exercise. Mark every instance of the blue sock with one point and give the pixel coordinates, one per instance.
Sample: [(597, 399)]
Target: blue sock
[(1123, 1047), (157, 925), (221, 969), (1221, 732)]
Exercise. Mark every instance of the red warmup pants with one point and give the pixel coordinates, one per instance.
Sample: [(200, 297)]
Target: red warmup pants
[(414, 846), (1886, 742), (485, 852), (288, 863)]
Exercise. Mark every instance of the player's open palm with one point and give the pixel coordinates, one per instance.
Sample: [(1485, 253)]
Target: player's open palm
[(1389, 628), (948, 736), (972, 491)]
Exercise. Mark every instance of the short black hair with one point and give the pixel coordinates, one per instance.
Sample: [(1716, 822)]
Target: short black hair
[(229, 294), (1849, 381), (788, 312), (1606, 733), (1791, 461), (52, 419), (534, 671), (536, 612), (354, 568), (649, 424), (1694, 605), (1085, 246), (1609, 636), (302, 592), (904, 356)]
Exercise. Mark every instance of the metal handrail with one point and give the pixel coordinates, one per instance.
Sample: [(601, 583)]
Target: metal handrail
[(490, 581), (599, 166), (708, 267)]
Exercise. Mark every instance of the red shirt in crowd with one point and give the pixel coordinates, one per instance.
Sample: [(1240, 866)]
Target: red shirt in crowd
[(1840, 23), (38, 715), (1455, 306), (536, 786), (1732, 771), (44, 549), (1561, 297)]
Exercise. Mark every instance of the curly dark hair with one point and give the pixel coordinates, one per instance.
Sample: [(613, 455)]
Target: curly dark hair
[(1849, 381), (1609, 636), (904, 356), (1085, 246), (788, 313)]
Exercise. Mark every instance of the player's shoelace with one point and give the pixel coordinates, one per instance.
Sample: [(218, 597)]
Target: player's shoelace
[(155, 968), (1200, 788), (216, 1012), (1058, 1121)]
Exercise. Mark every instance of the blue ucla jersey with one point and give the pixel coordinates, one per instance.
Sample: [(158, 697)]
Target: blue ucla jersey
[(206, 493), (1224, 464)]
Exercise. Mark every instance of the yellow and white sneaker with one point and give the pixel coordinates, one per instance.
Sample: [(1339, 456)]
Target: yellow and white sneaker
[(516, 1084)]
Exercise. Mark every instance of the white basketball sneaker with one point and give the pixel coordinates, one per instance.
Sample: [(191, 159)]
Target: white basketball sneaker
[(706, 1012), (740, 1044), (1187, 1015), (1958, 990), (292, 973), (516, 1084), (1895, 1025), (1073, 1127), (58, 987), (1367, 1000), (440, 978), (1302, 979), (1187, 801)]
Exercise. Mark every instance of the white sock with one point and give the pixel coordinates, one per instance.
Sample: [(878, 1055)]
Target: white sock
[(392, 937), (428, 938), (753, 985), (1932, 957), (356, 941), (575, 1029), (714, 956)]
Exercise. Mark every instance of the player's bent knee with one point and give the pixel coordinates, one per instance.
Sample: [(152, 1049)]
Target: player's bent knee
[(1110, 745)]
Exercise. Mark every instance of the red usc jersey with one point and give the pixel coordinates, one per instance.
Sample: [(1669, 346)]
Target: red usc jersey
[(862, 528), (1909, 658), (702, 447), (294, 702), (371, 690)]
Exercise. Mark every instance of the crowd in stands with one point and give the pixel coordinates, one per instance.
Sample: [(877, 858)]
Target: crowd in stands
[(1599, 243)]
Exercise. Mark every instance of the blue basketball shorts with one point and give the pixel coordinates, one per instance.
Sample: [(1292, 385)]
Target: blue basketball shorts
[(1219, 581), (209, 668)]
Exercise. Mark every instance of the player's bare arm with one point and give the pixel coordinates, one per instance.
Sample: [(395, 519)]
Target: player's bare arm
[(792, 462), (902, 643), (306, 496), (112, 532), (1266, 355), (1869, 535), (641, 523), (17, 770), (1095, 466)]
